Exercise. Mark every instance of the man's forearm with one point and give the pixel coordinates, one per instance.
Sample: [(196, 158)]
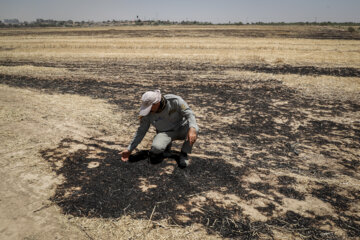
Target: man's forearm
[(140, 134), (135, 142)]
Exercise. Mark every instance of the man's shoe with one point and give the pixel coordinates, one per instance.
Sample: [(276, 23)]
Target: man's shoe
[(155, 158), (183, 161)]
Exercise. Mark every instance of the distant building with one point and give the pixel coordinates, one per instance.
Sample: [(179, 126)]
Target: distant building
[(12, 21)]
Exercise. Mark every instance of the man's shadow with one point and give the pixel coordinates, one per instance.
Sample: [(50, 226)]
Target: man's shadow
[(98, 184)]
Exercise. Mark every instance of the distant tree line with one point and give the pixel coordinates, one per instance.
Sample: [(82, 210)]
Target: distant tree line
[(309, 23), (15, 23), (43, 23)]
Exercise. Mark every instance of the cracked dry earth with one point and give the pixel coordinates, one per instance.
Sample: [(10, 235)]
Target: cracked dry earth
[(270, 162)]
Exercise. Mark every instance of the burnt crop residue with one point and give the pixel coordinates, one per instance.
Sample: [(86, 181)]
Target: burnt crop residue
[(239, 32), (114, 188), (137, 188), (303, 70), (115, 67), (247, 127)]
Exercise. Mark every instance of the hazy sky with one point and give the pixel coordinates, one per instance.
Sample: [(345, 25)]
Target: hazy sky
[(215, 11)]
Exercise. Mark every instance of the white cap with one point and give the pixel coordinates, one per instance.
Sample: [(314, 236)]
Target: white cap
[(148, 99)]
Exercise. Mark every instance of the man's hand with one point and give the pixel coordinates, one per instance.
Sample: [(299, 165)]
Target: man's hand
[(125, 155), (191, 136)]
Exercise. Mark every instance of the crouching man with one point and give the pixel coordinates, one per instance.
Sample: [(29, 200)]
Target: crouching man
[(173, 120)]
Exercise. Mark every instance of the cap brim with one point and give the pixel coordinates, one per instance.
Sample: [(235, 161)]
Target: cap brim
[(145, 109)]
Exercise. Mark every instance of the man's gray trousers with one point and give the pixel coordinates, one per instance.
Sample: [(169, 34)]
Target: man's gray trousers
[(163, 139)]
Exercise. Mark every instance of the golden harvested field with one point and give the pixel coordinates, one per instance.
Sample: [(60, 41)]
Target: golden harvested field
[(278, 154)]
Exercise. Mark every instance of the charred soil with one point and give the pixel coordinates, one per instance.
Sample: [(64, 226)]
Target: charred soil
[(275, 132)]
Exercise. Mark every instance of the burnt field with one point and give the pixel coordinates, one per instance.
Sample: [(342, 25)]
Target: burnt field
[(275, 159), (252, 31)]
